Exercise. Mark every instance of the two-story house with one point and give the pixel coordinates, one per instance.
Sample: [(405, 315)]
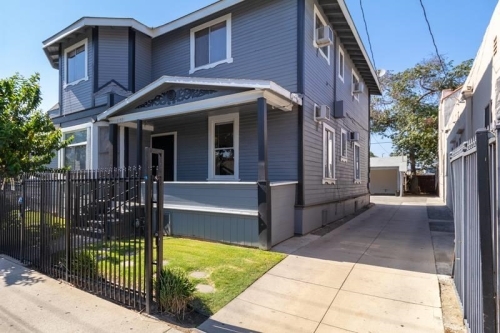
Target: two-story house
[(261, 108)]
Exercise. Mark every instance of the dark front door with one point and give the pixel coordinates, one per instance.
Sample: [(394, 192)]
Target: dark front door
[(167, 144)]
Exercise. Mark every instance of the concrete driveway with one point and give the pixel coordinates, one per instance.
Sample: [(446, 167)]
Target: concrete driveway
[(376, 273)]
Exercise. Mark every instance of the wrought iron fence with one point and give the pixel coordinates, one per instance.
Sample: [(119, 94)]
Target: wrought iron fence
[(474, 171), (89, 228)]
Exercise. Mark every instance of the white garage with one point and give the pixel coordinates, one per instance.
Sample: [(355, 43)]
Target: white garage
[(387, 175)]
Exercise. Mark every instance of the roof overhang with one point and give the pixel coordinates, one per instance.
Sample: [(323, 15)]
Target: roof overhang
[(276, 96), (341, 21), (51, 44)]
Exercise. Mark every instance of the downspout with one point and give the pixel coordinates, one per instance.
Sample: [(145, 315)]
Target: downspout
[(335, 55), (369, 146), (301, 7)]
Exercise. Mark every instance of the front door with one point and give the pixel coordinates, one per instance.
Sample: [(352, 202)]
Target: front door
[(167, 144)]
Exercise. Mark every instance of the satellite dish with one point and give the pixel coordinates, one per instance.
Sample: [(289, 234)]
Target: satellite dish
[(381, 72)]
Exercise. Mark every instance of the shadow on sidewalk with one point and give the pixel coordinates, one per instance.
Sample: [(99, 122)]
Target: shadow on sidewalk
[(12, 274)]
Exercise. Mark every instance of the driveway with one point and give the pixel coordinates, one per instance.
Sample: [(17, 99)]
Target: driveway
[(376, 273)]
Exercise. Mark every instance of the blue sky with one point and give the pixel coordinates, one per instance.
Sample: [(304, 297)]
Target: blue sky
[(397, 29)]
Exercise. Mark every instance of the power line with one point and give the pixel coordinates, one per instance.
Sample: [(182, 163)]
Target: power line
[(367, 34), (432, 36), (380, 145)]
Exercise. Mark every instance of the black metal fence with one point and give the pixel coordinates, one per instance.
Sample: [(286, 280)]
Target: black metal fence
[(474, 170), (93, 229)]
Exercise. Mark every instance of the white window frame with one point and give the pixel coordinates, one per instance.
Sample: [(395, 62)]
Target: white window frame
[(89, 156), (317, 13), (327, 180), (356, 181), (354, 75), (341, 52), (228, 59), (212, 121), (343, 158), (69, 49)]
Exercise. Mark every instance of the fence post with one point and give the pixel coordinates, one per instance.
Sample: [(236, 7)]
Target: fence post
[(485, 231), (22, 209), (148, 257), (67, 220)]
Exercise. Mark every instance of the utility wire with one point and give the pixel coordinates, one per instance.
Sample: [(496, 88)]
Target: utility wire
[(367, 34), (373, 138), (432, 36)]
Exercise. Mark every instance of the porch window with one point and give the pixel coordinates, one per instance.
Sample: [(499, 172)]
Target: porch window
[(211, 44), (223, 147), (343, 145), (320, 22), (75, 155), (76, 63), (357, 167), (328, 155)]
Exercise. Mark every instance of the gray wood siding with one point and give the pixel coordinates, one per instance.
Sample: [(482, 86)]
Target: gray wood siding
[(318, 85), (113, 55), (264, 39), (225, 228), (132, 154), (282, 212), (192, 143), (79, 96), (142, 60)]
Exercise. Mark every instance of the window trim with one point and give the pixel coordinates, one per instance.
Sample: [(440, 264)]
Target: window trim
[(354, 75), (341, 52), (228, 59), (68, 50), (212, 121), (343, 158), (327, 180), (317, 13), (356, 181), (89, 158)]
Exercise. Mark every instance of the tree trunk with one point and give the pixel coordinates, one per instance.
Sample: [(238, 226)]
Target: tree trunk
[(414, 189)]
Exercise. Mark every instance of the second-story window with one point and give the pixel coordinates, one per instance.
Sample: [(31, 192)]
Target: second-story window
[(341, 64), (355, 83), (76, 63), (211, 44), (320, 22)]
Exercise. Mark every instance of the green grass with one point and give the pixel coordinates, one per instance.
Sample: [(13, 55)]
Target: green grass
[(230, 269), (57, 224)]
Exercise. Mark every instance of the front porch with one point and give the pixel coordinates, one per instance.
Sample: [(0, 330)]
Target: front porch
[(230, 155)]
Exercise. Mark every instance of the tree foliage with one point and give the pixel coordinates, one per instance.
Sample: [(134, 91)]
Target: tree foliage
[(28, 138), (407, 111)]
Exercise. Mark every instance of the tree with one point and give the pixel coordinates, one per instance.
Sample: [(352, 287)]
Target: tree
[(407, 111), (372, 154), (28, 138)]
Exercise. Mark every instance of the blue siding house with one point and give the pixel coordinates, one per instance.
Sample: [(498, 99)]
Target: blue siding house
[(261, 108)]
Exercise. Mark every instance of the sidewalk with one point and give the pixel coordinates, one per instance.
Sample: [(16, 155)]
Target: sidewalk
[(32, 302), (375, 273)]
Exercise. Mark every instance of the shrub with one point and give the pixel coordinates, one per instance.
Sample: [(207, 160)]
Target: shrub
[(83, 264), (175, 290)]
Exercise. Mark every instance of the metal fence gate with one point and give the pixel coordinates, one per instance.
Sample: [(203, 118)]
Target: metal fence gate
[(95, 229), (474, 172)]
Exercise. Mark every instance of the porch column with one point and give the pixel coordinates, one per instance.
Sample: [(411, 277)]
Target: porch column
[(113, 138), (139, 144), (264, 189)]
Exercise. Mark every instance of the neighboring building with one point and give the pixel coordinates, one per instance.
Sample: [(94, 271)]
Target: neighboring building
[(388, 175), (473, 106), (207, 89)]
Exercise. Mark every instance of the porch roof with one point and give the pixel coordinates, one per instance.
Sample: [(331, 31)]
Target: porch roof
[(276, 96)]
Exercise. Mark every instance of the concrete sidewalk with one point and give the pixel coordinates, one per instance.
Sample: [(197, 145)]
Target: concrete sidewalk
[(32, 302), (375, 273)]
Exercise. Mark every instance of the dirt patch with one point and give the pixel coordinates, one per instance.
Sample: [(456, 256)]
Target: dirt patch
[(452, 312)]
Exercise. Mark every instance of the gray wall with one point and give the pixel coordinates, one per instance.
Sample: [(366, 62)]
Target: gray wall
[(79, 96), (192, 143), (318, 85), (264, 39), (282, 212), (113, 55), (142, 60)]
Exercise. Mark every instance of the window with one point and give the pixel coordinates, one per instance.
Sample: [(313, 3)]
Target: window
[(76, 63), (341, 64), (75, 155), (211, 44), (487, 116), (319, 22), (328, 155), (357, 167), (355, 80), (223, 149), (343, 145)]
